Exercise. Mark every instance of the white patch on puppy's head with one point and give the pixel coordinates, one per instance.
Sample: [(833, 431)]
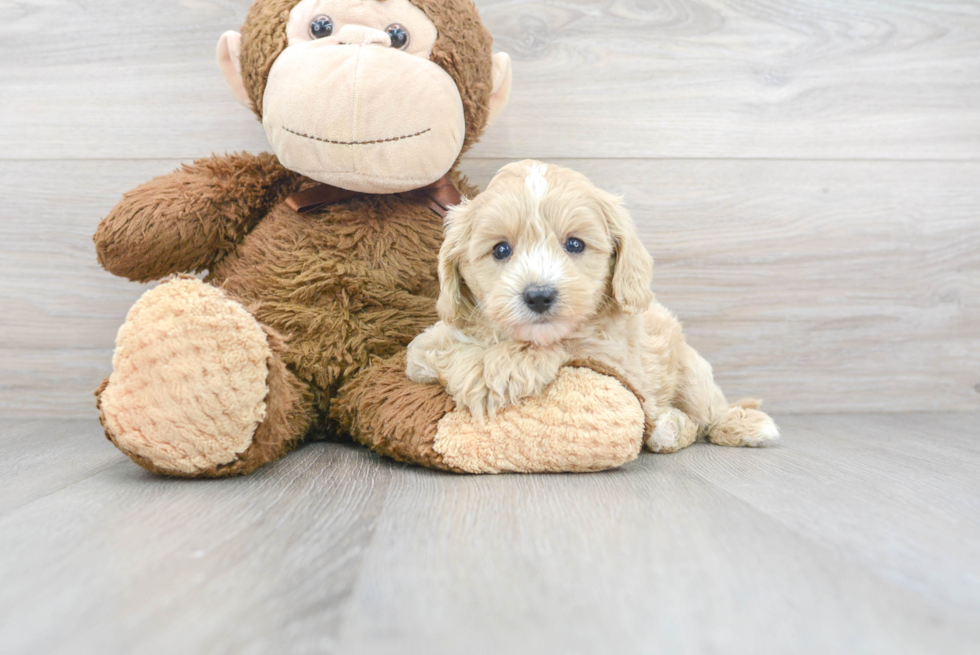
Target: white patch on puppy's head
[(535, 180)]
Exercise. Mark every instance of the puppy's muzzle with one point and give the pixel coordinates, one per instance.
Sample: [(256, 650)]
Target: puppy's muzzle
[(540, 299)]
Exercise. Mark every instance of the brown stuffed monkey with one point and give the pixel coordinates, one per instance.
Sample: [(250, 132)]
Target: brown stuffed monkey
[(321, 261)]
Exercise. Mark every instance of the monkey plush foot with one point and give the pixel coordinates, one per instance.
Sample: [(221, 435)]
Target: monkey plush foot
[(585, 421), (190, 380)]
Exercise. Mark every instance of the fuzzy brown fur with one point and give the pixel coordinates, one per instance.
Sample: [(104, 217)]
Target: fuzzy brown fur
[(393, 418), (187, 221), (344, 285)]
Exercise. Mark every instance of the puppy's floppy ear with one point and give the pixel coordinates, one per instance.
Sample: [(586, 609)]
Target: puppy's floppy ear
[(453, 301), (634, 265)]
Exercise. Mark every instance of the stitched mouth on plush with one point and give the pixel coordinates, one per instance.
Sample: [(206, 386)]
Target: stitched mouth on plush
[(337, 142)]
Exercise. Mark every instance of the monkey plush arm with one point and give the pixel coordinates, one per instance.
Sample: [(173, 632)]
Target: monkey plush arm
[(186, 221)]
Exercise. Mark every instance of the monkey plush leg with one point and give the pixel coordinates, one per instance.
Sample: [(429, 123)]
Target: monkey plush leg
[(585, 421), (198, 387)]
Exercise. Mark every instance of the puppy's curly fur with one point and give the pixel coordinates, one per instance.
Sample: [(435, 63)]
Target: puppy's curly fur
[(542, 269)]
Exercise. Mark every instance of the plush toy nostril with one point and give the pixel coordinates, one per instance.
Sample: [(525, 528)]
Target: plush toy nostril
[(540, 299)]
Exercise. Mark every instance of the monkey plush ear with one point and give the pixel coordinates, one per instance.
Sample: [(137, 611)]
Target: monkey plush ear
[(634, 265), (229, 61), (501, 77)]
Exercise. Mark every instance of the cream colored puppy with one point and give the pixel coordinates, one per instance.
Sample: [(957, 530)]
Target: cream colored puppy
[(543, 269)]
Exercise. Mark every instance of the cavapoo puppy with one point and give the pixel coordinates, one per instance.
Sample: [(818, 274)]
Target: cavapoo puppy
[(542, 269)]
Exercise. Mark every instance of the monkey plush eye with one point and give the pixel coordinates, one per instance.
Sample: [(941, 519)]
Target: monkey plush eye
[(574, 246), (321, 26), (501, 251), (398, 35)]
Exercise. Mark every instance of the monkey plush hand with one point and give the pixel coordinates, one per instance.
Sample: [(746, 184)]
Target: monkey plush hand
[(321, 260)]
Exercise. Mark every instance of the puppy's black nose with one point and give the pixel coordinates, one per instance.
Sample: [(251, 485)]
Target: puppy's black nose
[(540, 299)]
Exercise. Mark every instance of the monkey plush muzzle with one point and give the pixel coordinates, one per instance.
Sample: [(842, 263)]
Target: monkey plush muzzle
[(333, 114)]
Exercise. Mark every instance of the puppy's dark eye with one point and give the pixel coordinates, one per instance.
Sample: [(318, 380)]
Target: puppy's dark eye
[(321, 26), (501, 251), (574, 246), (398, 35)]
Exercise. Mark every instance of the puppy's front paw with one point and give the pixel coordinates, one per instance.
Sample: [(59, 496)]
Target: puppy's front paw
[(511, 387), (476, 398), (511, 377), (419, 371)]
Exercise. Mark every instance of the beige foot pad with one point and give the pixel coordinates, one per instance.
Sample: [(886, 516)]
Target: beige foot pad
[(188, 385), (585, 421)]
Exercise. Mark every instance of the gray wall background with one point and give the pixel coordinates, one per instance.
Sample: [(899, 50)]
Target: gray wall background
[(806, 174)]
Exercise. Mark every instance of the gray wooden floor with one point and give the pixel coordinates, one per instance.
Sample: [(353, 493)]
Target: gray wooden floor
[(858, 534)]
